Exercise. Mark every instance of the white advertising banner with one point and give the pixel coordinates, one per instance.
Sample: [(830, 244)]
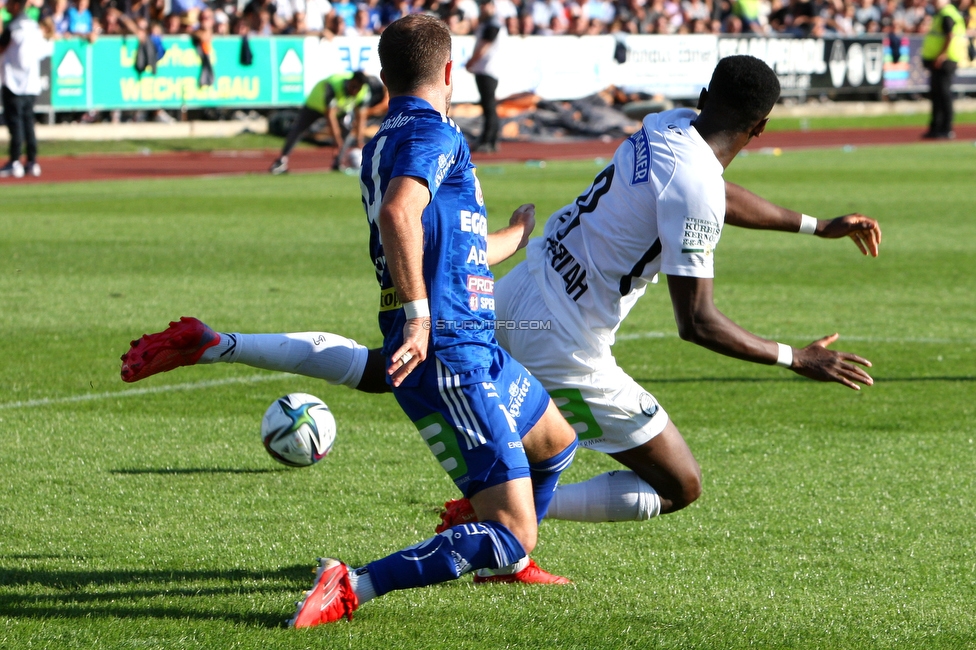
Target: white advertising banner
[(677, 67), (554, 67)]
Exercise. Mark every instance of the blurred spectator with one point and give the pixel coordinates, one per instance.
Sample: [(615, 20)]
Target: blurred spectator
[(629, 16), (189, 10), (173, 24), (732, 25), (507, 11), (914, 15), (695, 10), (865, 12), (458, 16), (221, 23), (600, 14), (672, 9), (285, 12), (23, 45), (540, 13), (395, 9), (346, 11), (262, 22), (375, 10), (58, 14), (943, 48), (655, 10), (80, 22), (842, 18), (793, 19), (484, 64), (578, 22), (334, 25), (748, 12), (315, 14), (361, 26)]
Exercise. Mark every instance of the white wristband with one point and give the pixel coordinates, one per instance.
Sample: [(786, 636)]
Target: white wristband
[(808, 224), (416, 309), (785, 356)]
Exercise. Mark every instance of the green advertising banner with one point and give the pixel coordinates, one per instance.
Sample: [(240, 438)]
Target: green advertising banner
[(102, 75)]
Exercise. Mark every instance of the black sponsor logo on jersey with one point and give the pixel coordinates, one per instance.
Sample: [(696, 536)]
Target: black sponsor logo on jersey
[(560, 259), (563, 263)]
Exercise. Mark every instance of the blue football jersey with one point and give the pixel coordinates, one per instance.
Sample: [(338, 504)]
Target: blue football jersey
[(416, 140)]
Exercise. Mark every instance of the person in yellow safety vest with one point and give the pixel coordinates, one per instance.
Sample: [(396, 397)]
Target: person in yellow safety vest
[(355, 95), (942, 49), (748, 13)]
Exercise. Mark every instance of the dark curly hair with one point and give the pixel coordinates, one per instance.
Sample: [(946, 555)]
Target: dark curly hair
[(742, 91)]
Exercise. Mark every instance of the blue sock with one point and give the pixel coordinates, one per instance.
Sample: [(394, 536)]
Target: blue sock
[(446, 556), (545, 475)]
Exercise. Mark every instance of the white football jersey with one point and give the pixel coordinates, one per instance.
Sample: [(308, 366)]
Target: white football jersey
[(658, 207)]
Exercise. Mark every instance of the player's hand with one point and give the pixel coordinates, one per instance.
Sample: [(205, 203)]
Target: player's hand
[(817, 362), (865, 231), (413, 352), (524, 218)]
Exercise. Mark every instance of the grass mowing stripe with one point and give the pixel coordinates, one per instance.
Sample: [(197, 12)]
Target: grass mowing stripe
[(135, 392)]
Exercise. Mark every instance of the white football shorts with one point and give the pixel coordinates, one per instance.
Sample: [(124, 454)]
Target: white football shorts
[(608, 409)]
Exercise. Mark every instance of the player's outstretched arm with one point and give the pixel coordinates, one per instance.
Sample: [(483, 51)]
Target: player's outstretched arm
[(700, 322), (748, 210), (403, 243), (503, 243)]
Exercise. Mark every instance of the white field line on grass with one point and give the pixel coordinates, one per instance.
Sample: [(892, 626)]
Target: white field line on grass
[(860, 339), (254, 379), (134, 392)]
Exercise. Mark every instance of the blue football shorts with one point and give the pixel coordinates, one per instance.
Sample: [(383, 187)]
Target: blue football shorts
[(473, 423)]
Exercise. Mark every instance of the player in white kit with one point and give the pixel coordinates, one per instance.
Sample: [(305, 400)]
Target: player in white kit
[(658, 207)]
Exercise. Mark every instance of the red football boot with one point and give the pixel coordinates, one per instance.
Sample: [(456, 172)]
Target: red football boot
[(331, 598), (180, 344), (532, 574)]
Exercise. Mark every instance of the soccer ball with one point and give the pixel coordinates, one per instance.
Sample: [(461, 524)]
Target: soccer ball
[(298, 430)]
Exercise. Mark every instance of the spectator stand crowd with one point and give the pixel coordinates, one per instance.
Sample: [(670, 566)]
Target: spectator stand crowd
[(150, 20), (327, 18)]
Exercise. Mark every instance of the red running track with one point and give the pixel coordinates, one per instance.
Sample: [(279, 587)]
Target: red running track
[(170, 165)]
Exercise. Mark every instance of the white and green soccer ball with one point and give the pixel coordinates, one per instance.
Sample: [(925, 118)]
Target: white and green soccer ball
[(298, 430)]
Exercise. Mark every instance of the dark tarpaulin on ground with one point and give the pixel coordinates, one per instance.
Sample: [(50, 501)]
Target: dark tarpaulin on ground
[(609, 113)]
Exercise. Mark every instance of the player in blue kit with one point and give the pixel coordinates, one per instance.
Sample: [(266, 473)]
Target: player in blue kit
[(486, 419)]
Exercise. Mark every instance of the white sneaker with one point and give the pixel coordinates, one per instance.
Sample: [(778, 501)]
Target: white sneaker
[(34, 169), (13, 168)]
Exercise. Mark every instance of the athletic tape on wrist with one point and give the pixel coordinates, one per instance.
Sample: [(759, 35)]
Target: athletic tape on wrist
[(784, 356), (416, 309), (808, 224)]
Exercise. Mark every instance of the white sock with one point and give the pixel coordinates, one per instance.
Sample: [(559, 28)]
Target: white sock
[(615, 496), (505, 570), (331, 357), (362, 584)]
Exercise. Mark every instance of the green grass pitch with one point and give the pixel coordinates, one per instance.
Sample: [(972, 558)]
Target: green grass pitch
[(149, 516)]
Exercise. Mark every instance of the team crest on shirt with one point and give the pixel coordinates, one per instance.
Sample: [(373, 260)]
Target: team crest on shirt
[(647, 404), (478, 196)]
